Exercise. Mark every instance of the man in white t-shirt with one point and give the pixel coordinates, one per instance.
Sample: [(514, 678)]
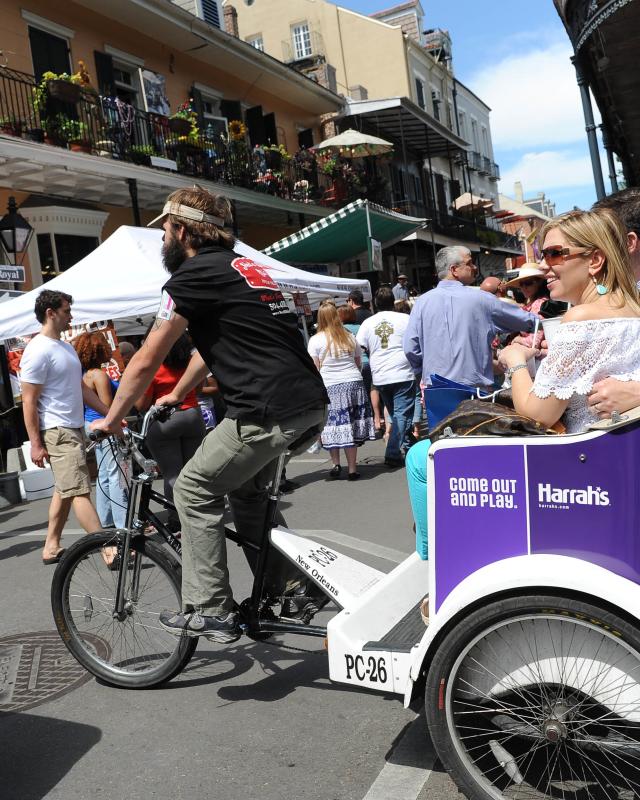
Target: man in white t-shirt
[(53, 394), (381, 335)]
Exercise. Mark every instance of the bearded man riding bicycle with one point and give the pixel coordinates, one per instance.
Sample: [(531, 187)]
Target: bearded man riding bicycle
[(246, 336)]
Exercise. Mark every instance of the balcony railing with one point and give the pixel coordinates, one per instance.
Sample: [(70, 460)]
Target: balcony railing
[(475, 160), (107, 127), (494, 175)]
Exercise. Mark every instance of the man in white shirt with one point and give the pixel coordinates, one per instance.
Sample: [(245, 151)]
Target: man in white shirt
[(53, 393), (381, 335)]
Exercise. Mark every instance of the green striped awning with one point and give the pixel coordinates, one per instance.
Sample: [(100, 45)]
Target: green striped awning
[(343, 235)]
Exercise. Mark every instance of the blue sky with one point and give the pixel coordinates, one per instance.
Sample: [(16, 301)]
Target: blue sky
[(517, 60)]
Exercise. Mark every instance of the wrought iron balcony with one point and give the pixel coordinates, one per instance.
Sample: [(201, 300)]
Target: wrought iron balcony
[(109, 128)]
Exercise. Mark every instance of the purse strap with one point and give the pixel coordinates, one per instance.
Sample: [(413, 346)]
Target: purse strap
[(548, 432)]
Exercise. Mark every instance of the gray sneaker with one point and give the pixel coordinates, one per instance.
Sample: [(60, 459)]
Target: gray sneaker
[(217, 629)]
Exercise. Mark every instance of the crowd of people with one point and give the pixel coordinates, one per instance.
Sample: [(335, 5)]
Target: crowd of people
[(363, 375)]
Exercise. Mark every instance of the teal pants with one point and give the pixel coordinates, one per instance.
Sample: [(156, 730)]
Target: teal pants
[(416, 469)]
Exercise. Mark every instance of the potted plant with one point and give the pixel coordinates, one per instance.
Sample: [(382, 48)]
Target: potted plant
[(76, 133), (61, 86), (54, 128), (11, 125), (141, 154), (185, 118)]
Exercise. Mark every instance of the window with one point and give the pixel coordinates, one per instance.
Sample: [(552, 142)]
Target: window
[(257, 42), (48, 52), (436, 99), (126, 82), (214, 124), (301, 41), (462, 122), (485, 142), (60, 251), (474, 135), (420, 93)]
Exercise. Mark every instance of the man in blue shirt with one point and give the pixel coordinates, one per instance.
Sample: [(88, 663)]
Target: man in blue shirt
[(401, 290), (451, 327)]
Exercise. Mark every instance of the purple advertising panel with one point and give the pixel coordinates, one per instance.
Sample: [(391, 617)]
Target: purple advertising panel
[(480, 510), (584, 500)]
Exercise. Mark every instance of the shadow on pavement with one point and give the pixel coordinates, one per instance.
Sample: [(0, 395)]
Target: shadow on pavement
[(20, 549), (37, 752)]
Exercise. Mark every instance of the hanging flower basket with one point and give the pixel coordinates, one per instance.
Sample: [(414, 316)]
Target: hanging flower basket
[(65, 91), (180, 126)]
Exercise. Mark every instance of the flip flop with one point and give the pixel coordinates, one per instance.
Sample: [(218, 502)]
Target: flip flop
[(53, 559)]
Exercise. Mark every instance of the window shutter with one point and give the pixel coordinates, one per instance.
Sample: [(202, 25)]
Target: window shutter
[(196, 96), (231, 109), (104, 73), (255, 124), (270, 129), (211, 12)]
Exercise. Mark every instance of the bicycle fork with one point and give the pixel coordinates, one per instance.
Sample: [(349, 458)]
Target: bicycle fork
[(120, 610)]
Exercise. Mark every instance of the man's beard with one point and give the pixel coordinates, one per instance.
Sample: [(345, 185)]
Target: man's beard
[(173, 255)]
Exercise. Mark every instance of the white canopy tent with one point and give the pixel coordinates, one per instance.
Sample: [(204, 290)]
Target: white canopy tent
[(123, 277)]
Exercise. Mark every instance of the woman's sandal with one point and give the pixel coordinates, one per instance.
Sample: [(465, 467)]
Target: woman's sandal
[(335, 472)]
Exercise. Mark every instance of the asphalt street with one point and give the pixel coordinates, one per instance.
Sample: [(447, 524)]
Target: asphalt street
[(248, 720)]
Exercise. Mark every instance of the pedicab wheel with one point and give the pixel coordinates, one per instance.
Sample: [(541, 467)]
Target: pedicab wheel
[(538, 697), (131, 651)]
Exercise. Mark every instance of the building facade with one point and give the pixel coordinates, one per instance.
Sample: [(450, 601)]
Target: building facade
[(83, 158), (398, 80)]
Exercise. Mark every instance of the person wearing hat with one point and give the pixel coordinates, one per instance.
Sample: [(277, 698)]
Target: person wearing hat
[(532, 283), (243, 331), (401, 290)]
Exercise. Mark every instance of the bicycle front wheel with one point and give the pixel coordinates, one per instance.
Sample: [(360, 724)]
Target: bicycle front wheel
[(538, 697), (130, 650)]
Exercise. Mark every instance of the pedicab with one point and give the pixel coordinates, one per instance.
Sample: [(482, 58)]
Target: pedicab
[(530, 662)]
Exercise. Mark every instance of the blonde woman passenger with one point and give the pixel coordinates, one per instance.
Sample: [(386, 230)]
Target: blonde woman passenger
[(585, 263), (338, 357)]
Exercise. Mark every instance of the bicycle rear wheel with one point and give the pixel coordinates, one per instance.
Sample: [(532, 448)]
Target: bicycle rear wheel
[(132, 652)]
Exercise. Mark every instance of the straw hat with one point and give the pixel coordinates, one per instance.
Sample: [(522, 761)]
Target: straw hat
[(528, 270)]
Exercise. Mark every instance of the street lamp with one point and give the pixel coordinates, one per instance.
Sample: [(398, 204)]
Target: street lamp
[(15, 233)]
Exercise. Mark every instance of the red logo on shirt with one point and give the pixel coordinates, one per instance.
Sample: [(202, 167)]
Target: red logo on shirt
[(256, 276)]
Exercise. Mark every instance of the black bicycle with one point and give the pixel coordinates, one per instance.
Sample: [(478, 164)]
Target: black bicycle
[(107, 607)]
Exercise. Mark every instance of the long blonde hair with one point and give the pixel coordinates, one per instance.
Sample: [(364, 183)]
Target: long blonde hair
[(601, 229), (339, 340)]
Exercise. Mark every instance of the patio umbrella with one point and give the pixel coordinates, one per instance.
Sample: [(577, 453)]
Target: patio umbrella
[(353, 144), (468, 201)]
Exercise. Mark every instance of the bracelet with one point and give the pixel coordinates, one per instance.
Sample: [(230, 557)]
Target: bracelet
[(511, 370)]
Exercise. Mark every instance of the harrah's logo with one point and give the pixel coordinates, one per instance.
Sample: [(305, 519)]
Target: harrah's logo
[(549, 495)]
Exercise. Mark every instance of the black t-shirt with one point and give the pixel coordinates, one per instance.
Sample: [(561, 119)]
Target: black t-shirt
[(362, 313), (243, 329)]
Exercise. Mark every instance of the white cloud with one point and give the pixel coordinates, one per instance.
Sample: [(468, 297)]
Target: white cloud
[(548, 170), (534, 98)]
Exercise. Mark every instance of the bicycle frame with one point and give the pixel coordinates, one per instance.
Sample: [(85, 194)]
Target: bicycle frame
[(142, 493)]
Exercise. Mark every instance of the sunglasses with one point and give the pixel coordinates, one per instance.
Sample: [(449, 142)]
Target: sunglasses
[(530, 281), (560, 252)]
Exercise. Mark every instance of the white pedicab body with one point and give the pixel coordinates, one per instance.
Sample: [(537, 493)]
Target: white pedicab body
[(532, 656)]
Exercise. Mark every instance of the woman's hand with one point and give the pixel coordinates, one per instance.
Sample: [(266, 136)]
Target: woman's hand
[(516, 354)]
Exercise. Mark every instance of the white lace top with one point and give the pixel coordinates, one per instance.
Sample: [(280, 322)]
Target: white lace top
[(583, 353)]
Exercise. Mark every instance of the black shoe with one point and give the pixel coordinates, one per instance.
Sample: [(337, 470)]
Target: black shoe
[(303, 602), (394, 462), (216, 629), (335, 472), (287, 486), (353, 476)]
